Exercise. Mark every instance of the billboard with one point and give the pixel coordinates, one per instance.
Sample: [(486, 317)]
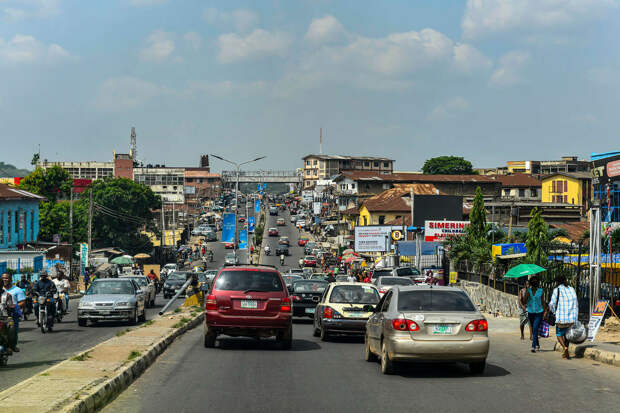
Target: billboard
[(316, 208), (251, 223), (436, 207), (228, 227), (257, 206), (374, 238), (243, 239), (190, 190), (83, 257), (605, 170), (436, 231)]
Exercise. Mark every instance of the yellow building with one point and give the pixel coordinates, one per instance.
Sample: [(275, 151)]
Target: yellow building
[(391, 205), (573, 188)]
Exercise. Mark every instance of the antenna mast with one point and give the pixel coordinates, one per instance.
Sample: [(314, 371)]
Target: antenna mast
[(133, 152), (321, 141)]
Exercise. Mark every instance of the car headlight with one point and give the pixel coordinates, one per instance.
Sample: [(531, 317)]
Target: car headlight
[(122, 304)]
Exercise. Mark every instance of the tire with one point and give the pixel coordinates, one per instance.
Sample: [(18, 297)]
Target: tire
[(477, 368), (3, 361), (387, 365), (209, 338), (142, 318), (82, 322), (134, 320), (153, 303), (368, 354), (316, 332), (324, 334), (285, 338)]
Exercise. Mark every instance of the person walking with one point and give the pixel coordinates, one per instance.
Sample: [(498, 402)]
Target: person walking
[(535, 310), (523, 318), (565, 307)]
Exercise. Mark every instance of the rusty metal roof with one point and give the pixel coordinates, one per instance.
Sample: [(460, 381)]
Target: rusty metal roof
[(394, 199), (8, 193), (414, 177), (517, 180)]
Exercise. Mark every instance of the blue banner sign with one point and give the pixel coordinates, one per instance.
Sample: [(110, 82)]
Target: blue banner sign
[(243, 239), (251, 224), (228, 227), (265, 185), (259, 187), (257, 205)]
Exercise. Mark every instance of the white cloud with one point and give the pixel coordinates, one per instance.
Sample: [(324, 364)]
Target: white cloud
[(325, 29), (242, 20), (127, 92), (468, 59), (509, 71), (227, 88), (160, 46), (488, 17), (193, 39), (260, 43), (25, 9), (27, 49), (450, 108), (146, 2)]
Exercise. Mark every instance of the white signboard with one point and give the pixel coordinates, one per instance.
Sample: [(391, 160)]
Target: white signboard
[(595, 318), (441, 230), (307, 197), (316, 208), (374, 238)]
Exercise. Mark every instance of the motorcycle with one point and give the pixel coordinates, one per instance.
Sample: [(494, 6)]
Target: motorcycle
[(46, 318), (60, 306), (267, 251), (28, 306), (5, 352), (281, 259)]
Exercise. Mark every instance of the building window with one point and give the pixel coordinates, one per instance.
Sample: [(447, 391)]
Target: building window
[(521, 193), (308, 172), (366, 163), (386, 164), (533, 193), (352, 186), (314, 162), (365, 221), (1, 227), (31, 226), (376, 164), (381, 219), (307, 163), (9, 226), (506, 192)]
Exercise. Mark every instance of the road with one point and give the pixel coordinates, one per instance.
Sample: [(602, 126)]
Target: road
[(291, 261), (40, 351)]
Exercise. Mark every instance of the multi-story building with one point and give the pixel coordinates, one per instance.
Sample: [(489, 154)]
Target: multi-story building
[(566, 164), (165, 182), (519, 187), (82, 170), (19, 217), (526, 167), (325, 166), (201, 183), (573, 188)]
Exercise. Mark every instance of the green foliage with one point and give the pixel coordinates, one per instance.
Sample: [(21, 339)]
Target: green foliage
[(35, 159), (52, 183), (478, 217), (537, 241), (449, 165)]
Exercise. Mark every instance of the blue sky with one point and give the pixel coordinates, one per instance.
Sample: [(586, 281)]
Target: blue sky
[(490, 80)]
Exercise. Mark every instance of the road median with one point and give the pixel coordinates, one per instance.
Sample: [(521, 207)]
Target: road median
[(90, 379)]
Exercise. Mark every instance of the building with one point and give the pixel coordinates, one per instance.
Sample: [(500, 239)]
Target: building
[(606, 184), (574, 188), (19, 217), (165, 182), (82, 170), (123, 166), (566, 164), (325, 166), (201, 183), (393, 204), (526, 167), (519, 186)]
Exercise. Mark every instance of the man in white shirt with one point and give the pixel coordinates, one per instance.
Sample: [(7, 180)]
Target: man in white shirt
[(63, 285)]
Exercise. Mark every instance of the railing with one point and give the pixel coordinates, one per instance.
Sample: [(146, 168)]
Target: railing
[(257, 174)]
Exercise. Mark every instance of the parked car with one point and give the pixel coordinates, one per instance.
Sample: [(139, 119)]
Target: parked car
[(250, 301), (112, 299), (424, 323), (173, 283), (231, 259), (273, 232), (147, 287), (280, 222), (282, 250), (283, 241), (306, 294), (344, 309), (385, 283), (309, 261)]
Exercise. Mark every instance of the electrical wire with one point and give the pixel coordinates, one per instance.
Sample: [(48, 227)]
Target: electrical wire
[(120, 215)]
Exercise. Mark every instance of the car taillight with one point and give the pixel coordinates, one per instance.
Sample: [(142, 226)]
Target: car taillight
[(211, 303), (477, 325), (285, 306), (328, 312), (402, 324), (383, 291)]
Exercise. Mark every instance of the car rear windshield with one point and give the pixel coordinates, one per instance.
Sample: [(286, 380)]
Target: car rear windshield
[(395, 281), (354, 294), (111, 287), (310, 286), (404, 272), (381, 273), (248, 280), (429, 300), (176, 276), (140, 281)]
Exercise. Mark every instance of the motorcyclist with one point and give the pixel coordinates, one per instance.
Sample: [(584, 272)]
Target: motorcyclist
[(25, 284), (267, 249), (41, 288), (63, 286), (281, 259), (6, 314)]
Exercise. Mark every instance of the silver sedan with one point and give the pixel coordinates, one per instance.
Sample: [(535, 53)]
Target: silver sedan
[(112, 299)]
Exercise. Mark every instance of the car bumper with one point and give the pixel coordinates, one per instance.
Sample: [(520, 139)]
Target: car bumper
[(247, 326), (91, 314), (406, 349), (304, 309), (345, 326)]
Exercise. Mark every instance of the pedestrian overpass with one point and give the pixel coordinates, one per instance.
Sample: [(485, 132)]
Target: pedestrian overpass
[(259, 177)]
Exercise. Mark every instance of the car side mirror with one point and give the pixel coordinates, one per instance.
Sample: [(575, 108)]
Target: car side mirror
[(369, 308), (139, 291)]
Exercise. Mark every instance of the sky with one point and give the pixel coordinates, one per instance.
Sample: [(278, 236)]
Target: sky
[(489, 80)]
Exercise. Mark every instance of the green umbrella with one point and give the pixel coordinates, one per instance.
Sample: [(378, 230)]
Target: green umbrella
[(522, 270), (122, 261)]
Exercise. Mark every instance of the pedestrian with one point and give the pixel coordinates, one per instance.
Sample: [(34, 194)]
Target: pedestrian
[(534, 299), (565, 307), (6, 312), (19, 300), (86, 279), (523, 318)]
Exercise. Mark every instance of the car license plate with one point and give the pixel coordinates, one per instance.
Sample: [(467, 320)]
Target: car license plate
[(442, 329), (249, 304), (356, 315), (310, 310), (104, 312)]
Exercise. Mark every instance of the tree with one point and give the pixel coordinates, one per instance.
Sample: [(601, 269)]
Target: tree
[(52, 183), (537, 239), (449, 165), (478, 217), (35, 159)]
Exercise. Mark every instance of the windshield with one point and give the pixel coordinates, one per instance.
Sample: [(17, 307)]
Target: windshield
[(111, 287), (140, 281), (395, 281), (202, 278), (381, 273), (355, 294), (176, 276), (248, 281), (429, 300), (310, 286), (289, 279), (407, 271)]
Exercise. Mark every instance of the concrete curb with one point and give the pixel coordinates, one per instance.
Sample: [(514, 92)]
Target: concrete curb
[(104, 392), (589, 351)]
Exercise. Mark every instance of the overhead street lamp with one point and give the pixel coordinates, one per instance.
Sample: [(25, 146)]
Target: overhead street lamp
[(238, 166)]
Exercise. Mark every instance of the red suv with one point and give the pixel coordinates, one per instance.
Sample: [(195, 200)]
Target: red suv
[(249, 301)]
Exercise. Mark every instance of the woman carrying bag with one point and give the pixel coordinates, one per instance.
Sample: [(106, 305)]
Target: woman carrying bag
[(564, 305), (535, 309)]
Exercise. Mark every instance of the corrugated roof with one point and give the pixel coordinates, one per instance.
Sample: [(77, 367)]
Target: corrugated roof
[(197, 173), (392, 199), (574, 230), (351, 158), (576, 175), (8, 194), (414, 177), (517, 180)]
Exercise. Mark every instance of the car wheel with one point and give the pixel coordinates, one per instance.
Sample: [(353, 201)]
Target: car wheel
[(209, 338), (143, 316), (368, 354), (387, 365), (477, 368), (134, 320), (153, 303), (324, 334), (285, 338), (82, 322)]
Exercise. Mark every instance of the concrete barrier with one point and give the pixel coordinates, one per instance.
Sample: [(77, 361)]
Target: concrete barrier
[(490, 300)]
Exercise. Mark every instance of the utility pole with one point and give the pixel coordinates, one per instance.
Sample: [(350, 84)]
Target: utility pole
[(174, 227), (163, 225), (90, 220), (595, 254), (71, 231), (321, 141)]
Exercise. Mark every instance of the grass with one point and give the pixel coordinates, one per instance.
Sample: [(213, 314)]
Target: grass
[(123, 332), (82, 357), (181, 323), (134, 354), (44, 374), (178, 310), (147, 323)]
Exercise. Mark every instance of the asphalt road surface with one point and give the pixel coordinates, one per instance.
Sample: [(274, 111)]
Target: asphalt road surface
[(40, 351), (297, 252)]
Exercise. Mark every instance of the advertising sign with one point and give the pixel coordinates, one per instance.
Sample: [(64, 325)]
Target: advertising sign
[(257, 205), (265, 186), (259, 187), (189, 190), (442, 230), (595, 318), (397, 234), (243, 239), (83, 257), (316, 208), (307, 197), (605, 169), (374, 238), (251, 224), (228, 227)]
